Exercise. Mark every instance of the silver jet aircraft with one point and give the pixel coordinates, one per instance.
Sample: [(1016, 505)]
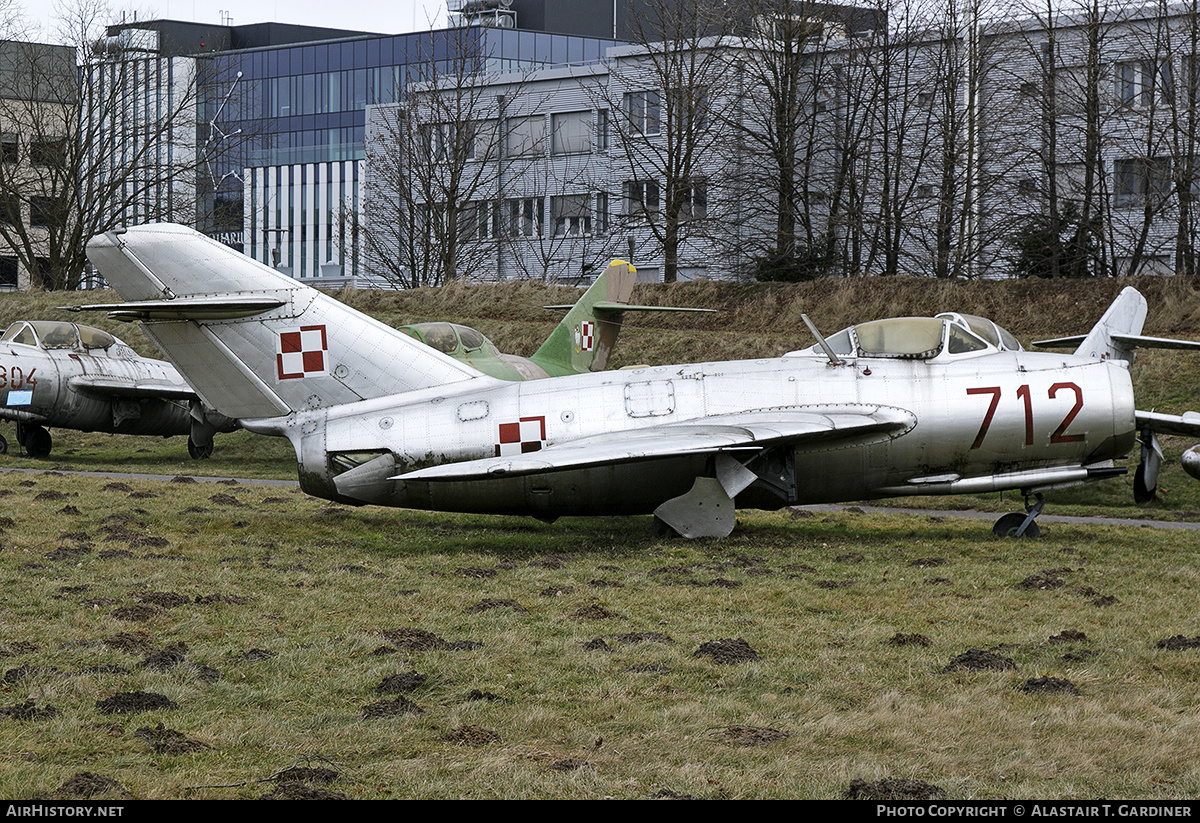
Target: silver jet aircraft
[(904, 406), (64, 375)]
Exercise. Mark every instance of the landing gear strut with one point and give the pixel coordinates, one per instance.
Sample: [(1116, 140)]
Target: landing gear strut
[(1015, 524)]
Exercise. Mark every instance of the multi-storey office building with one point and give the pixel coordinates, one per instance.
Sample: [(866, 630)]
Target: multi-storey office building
[(953, 148), (38, 97), (281, 113)]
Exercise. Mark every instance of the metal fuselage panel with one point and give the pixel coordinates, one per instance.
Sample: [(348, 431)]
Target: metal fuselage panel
[(37, 382), (976, 416)]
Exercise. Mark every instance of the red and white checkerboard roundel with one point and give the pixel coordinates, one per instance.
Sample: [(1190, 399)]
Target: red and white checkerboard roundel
[(528, 435), (585, 336), (302, 353)]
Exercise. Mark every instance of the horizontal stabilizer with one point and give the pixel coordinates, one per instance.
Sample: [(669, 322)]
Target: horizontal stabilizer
[(185, 308), (752, 431), (619, 307), (1132, 341), (1185, 425)]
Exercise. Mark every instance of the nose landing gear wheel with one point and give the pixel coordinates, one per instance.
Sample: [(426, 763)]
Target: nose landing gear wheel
[(1015, 524), (1008, 525)]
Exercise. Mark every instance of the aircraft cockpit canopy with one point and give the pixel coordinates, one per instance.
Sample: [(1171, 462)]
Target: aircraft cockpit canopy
[(55, 334), (988, 330), (920, 338), (450, 337)]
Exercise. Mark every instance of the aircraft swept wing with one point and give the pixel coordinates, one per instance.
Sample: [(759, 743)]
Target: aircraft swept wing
[(752, 430)]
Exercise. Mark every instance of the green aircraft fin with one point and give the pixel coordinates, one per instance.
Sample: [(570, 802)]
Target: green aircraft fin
[(584, 339)]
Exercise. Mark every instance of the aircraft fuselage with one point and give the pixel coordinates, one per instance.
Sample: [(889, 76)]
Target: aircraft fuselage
[(975, 422)]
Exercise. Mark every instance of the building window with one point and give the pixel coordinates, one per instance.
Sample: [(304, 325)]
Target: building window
[(8, 273), (925, 100), (1027, 187), (476, 220), (1030, 90), (644, 110), (641, 197), (10, 148), (441, 141), (571, 132), (1139, 178), (924, 190), (10, 208), (1143, 83), (602, 212), (48, 152), (44, 212), (695, 201), (689, 108), (525, 217), (602, 130), (483, 143), (571, 214), (526, 136)]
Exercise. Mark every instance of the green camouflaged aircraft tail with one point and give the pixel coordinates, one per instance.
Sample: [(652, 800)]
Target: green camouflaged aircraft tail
[(584, 339)]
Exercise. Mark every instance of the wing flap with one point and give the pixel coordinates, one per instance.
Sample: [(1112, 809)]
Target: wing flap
[(747, 431)]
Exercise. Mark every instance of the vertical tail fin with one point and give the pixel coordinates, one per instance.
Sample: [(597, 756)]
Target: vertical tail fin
[(251, 341), (584, 340), (1124, 318)]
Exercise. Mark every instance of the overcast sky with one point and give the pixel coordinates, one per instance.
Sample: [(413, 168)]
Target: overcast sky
[(384, 16)]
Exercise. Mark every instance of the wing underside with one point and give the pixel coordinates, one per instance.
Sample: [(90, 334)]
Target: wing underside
[(748, 432)]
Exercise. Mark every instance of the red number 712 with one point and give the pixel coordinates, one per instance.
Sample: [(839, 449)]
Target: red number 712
[(1023, 392)]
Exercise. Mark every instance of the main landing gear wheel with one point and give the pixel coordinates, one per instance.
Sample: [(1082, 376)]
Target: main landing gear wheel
[(663, 531), (200, 452), (3, 445), (37, 442)]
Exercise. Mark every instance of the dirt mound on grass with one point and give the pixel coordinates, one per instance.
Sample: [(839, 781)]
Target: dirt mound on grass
[(979, 660), (729, 650), (893, 789), (87, 785)]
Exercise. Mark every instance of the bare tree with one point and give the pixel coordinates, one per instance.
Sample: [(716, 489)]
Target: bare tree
[(664, 102), (86, 149), (784, 58), (437, 158)]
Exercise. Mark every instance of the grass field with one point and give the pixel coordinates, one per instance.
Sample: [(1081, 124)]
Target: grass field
[(431, 655), (271, 621)]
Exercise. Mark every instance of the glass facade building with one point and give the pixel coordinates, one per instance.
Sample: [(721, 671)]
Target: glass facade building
[(303, 108), (281, 116)]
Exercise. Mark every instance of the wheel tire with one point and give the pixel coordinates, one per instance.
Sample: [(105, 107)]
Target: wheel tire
[(664, 531), (3, 445), (199, 452), (1007, 526), (38, 442)]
